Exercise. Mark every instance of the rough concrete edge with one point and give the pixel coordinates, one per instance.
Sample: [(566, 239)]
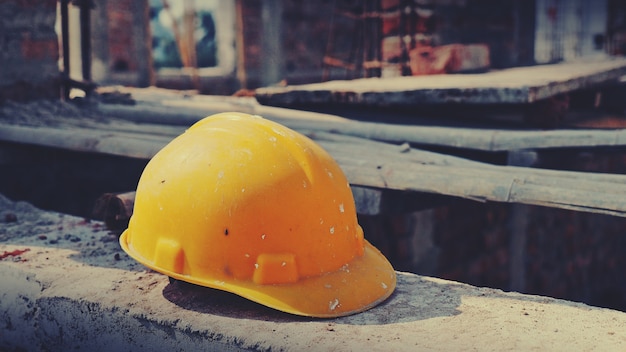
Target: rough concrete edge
[(58, 296)]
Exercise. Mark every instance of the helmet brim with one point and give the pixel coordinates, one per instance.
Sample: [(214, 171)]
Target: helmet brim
[(359, 285)]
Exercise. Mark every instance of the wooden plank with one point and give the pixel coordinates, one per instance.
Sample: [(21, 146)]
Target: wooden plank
[(379, 165), (174, 109), (382, 151), (469, 138), (479, 185), (86, 140), (520, 85), (138, 133)]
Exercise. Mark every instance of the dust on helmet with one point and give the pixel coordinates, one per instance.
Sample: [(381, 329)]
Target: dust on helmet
[(246, 205)]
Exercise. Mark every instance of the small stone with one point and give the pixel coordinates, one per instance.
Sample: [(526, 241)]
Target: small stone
[(109, 238), (71, 238)]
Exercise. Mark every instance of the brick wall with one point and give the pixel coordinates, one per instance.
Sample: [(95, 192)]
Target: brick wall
[(120, 35), (29, 50), (305, 29), (304, 32), (252, 39), (121, 43)]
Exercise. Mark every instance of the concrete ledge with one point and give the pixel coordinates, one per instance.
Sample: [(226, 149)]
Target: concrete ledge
[(74, 289)]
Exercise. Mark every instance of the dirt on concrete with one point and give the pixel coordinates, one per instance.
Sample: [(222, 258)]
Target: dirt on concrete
[(22, 224)]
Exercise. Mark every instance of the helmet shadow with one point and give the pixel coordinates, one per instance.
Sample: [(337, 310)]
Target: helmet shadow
[(415, 298)]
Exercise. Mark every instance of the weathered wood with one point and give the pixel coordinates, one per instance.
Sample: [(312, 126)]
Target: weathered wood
[(469, 138), (86, 140), (181, 111), (369, 148), (115, 209), (383, 166), (384, 151), (520, 85), (473, 183)]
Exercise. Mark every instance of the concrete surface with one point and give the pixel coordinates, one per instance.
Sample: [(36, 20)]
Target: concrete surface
[(74, 289)]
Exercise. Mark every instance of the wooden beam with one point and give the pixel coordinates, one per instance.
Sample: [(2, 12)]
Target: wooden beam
[(379, 165), (184, 111), (115, 209), (520, 85)]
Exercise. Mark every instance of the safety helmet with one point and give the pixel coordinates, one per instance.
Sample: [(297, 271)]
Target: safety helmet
[(246, 205)]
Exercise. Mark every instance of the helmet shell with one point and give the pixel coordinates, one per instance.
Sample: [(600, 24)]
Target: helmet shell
[(246, 205)]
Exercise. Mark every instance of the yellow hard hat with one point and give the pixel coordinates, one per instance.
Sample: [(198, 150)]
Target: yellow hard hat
[(243, 204)]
